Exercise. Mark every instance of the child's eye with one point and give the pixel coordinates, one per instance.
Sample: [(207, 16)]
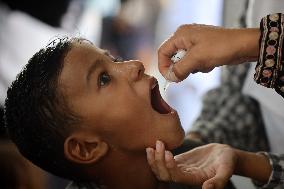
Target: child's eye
[(104, 79)]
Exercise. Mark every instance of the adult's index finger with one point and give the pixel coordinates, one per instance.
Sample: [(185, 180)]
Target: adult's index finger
[(165, 52)]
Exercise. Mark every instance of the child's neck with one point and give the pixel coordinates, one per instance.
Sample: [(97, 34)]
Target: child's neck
[(120, 170)]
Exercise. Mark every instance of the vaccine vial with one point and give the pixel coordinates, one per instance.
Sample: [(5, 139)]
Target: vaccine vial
[(175, 58)]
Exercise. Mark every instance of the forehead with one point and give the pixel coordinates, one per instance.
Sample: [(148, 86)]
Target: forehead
[(76, 63), (81, 56), (82, 49)]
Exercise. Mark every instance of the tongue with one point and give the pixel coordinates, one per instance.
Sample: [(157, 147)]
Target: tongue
[(158, 103)]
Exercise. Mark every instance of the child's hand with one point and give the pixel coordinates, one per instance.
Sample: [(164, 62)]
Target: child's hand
[(210, 165)]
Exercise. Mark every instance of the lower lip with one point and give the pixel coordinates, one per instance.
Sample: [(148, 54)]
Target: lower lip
[(171, 113)]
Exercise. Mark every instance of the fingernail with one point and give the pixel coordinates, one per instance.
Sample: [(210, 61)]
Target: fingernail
[(148, 152), (159, 146)]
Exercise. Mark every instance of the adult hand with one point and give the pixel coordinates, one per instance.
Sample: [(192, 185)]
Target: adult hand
[(207, 47), (210, 165)]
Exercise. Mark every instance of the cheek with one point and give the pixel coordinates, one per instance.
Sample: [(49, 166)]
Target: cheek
[(127, 128), (127, 125)]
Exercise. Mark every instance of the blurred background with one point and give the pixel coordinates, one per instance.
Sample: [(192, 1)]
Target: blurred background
[(131, 29)]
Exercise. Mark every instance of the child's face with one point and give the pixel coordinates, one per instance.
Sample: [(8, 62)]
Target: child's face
[(114, 100)]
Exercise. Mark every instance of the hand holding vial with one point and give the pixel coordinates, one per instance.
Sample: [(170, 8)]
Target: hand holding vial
[(170, 77), (206, 47)]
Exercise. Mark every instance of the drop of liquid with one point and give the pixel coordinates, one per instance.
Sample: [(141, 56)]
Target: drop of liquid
[(167, 84)]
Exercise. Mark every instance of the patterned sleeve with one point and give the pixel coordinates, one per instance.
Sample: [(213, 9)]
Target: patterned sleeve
[(277, 175), (269, 68)]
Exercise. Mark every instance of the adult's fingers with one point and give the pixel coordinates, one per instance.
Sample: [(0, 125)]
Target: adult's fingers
[(223, 174), (166, 51), (188, 64), (151, 160), (160, 162), (174, 170), (214, 183), (170, 161), (181, 173)]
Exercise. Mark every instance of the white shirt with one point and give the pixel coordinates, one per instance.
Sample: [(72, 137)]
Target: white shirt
[(271, 103)]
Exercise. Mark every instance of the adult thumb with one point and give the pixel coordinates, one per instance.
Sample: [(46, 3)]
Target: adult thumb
[(214, 183)]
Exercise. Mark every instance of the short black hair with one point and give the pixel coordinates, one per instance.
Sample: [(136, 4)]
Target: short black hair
[(37, 115)]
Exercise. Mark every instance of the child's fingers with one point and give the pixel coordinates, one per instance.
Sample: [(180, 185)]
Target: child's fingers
[(160, 162), (170, 161)]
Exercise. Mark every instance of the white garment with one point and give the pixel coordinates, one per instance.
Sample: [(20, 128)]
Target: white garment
[(271, 103), (20, 37), (186, 96), (272, 108)]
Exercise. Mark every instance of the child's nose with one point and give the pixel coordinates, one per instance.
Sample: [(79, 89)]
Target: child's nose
[(134, 69)]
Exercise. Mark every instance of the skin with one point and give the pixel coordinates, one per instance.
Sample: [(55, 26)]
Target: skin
[(211, 165), (19, 172), (207, 47), (117, 119), (231, 46)]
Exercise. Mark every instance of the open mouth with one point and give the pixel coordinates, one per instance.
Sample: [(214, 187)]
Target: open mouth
[(157, 102)]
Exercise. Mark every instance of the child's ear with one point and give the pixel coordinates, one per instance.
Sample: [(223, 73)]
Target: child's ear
[(84, 148)]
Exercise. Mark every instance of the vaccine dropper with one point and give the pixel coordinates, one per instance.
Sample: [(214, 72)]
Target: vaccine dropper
[(175, 58)]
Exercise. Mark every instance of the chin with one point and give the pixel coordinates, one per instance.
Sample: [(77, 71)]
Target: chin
[(176, 140)]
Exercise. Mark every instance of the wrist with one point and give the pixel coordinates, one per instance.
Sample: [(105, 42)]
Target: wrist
[(253, 165), (247, 41)]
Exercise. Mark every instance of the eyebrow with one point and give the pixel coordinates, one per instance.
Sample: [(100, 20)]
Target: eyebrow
[(93, 68)]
